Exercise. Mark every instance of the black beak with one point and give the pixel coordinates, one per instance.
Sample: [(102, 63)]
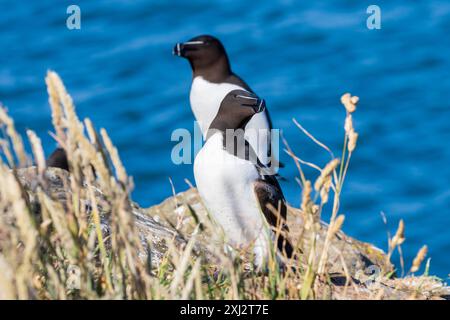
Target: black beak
[(178, 50), (251, 100), (181, 48), (261, 106)]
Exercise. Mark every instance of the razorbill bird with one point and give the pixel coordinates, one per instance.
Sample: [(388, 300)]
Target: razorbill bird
[(58, 159), (235, 186), (212, 80)]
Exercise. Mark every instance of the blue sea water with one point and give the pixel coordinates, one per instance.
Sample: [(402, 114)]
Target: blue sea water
[(299, 55)]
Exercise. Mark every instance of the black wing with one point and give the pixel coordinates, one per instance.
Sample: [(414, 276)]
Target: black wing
[(273, 205)]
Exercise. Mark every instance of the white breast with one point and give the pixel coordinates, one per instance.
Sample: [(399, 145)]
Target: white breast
[(225, 184), (206, 97)]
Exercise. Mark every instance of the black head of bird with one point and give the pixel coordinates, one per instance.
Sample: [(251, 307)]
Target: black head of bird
[(236, 110), (203, 52)]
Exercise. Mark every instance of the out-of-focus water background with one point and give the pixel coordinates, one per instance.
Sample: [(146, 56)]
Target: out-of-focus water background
[(299, 55)]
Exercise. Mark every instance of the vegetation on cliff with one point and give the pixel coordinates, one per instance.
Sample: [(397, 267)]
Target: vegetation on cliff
[(79, 235)]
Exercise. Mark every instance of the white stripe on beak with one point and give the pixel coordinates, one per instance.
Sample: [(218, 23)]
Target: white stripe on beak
[(248, 98), (193, 42), (261, 106)]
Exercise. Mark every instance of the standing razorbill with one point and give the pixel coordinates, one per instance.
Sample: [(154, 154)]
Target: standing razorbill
[(212, 80), (235, 186)]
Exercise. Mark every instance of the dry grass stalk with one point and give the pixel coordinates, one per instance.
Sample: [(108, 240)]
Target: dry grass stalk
[(120, 170), (38, 152), (15, 138), (337, 225), (54, 101), (349, 102), (352, 138), (399, 236), (307, 202), (331, 178), (348, 125), (325, 174), (397, 240), (419, 259)]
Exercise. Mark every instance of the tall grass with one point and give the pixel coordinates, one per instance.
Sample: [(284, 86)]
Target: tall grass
[(82, 240)]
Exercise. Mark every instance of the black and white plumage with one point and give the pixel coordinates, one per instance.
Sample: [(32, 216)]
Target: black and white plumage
[(212, 80), (234, 185)]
